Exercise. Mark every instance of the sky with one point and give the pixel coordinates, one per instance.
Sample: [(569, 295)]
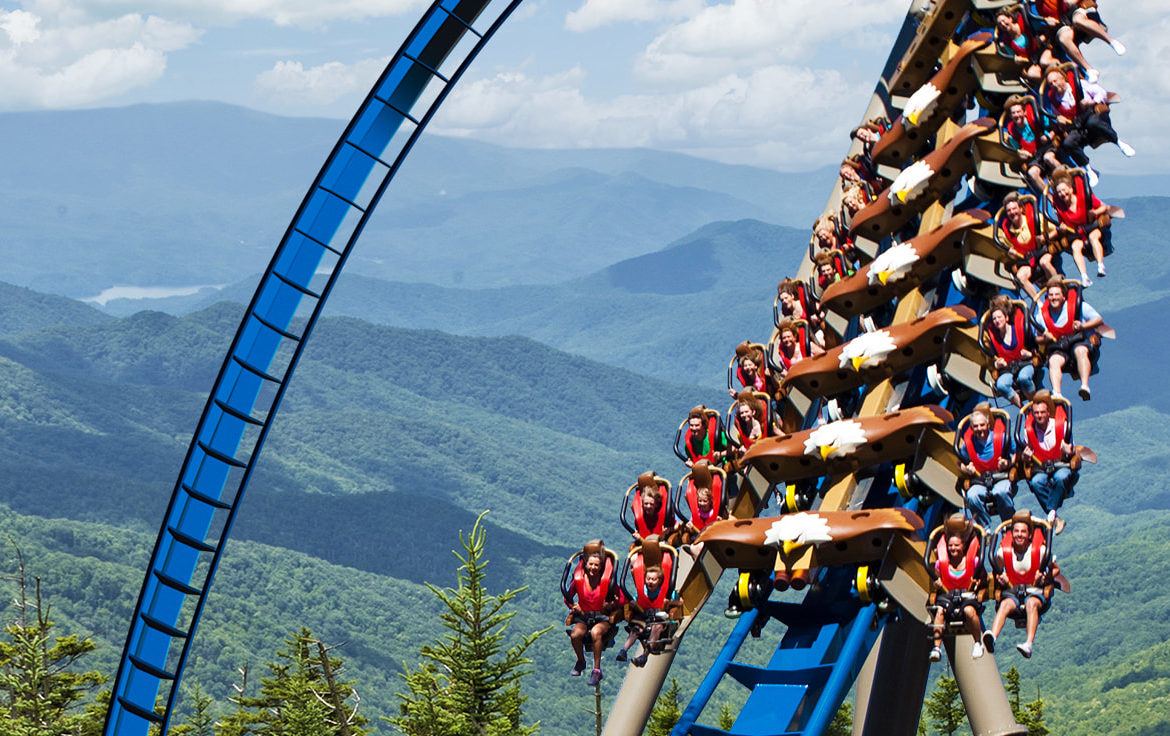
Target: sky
[(773, 83)]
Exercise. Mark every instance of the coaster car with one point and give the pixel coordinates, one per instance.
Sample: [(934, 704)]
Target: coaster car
[(994, 348), (738, 430), (652, 553), (1042, 575), (1048, 460), (928, 180), (930, 106), (713, 434), (946, 334), (1001, 434), (902, 267), (575, 586), (686, 500), (917, 439), (944, 577)]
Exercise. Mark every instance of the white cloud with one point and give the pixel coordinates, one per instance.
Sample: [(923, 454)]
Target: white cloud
[(290, 83), (215, 12), (597, 13), (737, 118), (53, 65), (752, 33)]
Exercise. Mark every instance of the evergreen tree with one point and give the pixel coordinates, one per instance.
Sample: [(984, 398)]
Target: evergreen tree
[(1030, 715), (469, 681), (298, 697), (842, 723), (666, 712), (945, 708), (42, 692), (726, 717), (201, 722)]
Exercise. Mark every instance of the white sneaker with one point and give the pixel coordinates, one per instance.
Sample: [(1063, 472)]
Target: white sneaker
[(935, 654), (1093, 177), (1118, 46), (976, 650), (1101, 271), (1126, 149), (1086, 282), (1025, 649), (1092, 75)]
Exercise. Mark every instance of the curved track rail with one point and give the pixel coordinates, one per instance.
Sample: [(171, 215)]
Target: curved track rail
[(268, 345)]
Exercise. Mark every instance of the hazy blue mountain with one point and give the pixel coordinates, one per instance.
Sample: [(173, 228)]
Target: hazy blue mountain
[(188, 194)]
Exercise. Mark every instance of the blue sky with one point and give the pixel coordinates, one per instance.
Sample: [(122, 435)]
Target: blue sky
[(774, 83)]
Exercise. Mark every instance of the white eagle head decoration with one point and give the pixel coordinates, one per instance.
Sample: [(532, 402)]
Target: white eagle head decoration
[(911, 182), (921, 105), (796, 530), (893, 264), (867, 350), (836, 439)]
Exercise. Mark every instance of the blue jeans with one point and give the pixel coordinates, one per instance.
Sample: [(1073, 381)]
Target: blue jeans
[(981, 502), (1024, 379), (1051, 490)]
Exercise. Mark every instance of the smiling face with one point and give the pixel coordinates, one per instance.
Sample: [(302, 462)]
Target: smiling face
[(593, 565), (980, 426), (999, 320), (695, 424), (788, 339), (1020, 534), (703, 499), (955, 546), (1055, 297), (1017, 114), (1014, 211), (744, 411), (1006, 23), (748, 365), (1064, 191)]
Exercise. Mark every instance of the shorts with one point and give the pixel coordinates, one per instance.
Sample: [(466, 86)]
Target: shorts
[(1066, 349), (954, 603), (1021, 594), (589, 618)]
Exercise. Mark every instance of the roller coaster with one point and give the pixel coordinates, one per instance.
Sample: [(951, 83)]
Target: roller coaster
[(842, 452)]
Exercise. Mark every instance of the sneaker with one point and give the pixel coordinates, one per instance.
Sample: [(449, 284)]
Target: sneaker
[(1126, 149), (1094, 177), (1025, 649), (976, 650), (989, 642), (1086, 282), (1092, 75), (640, 660), (1084, 393), (621, 656), (1101, 270), (1057, 525), (595, 678), (1118, 46), (577, 669), (935, 654)]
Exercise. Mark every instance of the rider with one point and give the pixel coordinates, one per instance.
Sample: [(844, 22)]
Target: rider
[(704, 439), (986, 458), (1047, 444), (1028, 135), (649, 612), (1013, 355), (1021, 233), (1064, 327), (1079, 220), (591, 616), (960, 588), (1025, 581), (752, 373)]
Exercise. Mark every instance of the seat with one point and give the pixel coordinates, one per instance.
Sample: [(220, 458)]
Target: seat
[(761, 404), (757, 353), (936, 556), (1022, 245), (686, 496), (573, 579), (633, 581), (801, 293), (1025, 434), (1021, 326), (1001, 433), (714, 429), (1074, 304), (633, 515), (778, 361), (1041, 546)]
